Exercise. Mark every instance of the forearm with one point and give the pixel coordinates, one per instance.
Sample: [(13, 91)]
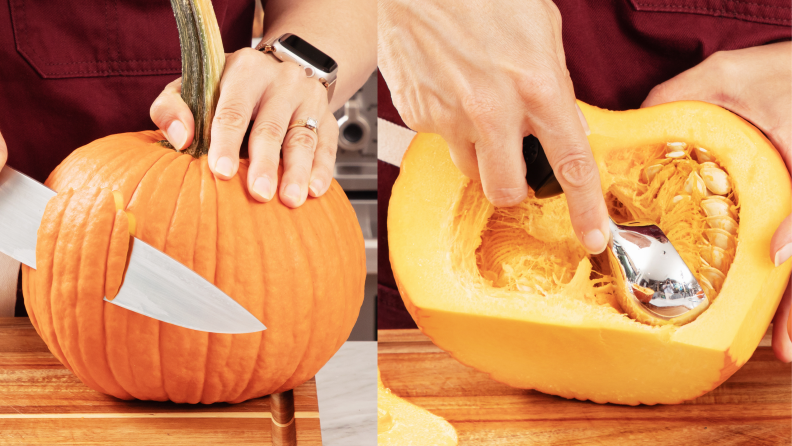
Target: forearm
[(344, 29)]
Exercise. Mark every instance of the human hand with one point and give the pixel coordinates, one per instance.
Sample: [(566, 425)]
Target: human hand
[(484, 74), (256, 87), (755, 83), (3, 151)]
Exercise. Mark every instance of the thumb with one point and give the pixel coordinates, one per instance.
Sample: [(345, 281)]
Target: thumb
[(690, 85), (3, 152), (781, 243), (782, 346), (172, 115)]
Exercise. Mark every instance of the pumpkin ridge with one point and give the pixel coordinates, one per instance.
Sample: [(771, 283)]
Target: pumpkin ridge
[(171, 350), (175, 205), (338, 230), (207, 181), (249, 389), (295, 374), (242, 358), (213, 181), (180, 348), (140, 180), (354, 230), (159, 200), (78, 221), (213, 337), (43, 300), (93, 360)]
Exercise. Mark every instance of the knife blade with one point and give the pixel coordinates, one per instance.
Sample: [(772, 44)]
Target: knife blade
[(155, 285)]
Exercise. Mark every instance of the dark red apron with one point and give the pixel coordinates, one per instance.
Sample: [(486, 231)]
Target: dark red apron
[(75, 71), (616, 51)]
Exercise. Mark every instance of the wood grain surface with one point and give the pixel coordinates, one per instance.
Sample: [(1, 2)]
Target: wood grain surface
[(754, 407), (42, 403)]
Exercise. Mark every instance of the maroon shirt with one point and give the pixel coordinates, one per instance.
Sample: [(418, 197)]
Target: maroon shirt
[(616, 51), (75, 71)]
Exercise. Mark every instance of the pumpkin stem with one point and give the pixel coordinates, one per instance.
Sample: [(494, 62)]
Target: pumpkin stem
[(203, 60)]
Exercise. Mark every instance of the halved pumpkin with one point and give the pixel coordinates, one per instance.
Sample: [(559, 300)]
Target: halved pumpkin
[(510, 291)]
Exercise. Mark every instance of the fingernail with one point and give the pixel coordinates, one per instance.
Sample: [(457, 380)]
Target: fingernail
[(783, 254), (177, 134), (292, 191), (594, 241), (263, 187), (583, 120), (223, 166), (316, 187)]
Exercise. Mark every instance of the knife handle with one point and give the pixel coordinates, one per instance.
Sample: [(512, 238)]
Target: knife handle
[(540, 175)]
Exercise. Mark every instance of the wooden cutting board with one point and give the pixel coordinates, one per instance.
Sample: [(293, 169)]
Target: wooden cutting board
[(754, 407), (42, 403)]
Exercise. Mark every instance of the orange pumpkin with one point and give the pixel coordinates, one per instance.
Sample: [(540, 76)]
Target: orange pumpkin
[(300, 271)]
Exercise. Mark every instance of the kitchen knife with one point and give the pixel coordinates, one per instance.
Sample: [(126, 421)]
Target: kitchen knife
[(154, 285)]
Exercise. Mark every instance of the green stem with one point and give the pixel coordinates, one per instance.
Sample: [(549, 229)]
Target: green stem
[(203, 60)]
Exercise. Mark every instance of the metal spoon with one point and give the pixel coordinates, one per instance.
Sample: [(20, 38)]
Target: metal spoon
[(653, 284)]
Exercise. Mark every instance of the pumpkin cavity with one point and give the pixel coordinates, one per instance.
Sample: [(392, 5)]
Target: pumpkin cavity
[(530, 249)]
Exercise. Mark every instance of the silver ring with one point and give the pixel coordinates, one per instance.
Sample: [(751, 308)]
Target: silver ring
[(310, 124)]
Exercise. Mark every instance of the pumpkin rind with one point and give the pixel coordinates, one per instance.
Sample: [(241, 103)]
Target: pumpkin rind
[(567, 348), (300, 271)]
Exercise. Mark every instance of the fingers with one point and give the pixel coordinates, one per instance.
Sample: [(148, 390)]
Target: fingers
[(781, 243), (324, 157), (782, 346), (172, 115), (560, 129), (498, 149), (299, 147), (502, 169), (240, 92), (463, 155), (266, 138)]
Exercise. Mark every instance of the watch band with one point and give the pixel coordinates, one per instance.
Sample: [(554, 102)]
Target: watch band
[(328, 80)]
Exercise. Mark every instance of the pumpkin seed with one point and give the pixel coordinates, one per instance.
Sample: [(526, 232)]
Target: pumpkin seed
[(720, 238), (672, 147), (723, 222), (716, 180), (713, 276), (715, 257), (703, 155), (675, 155), (706, 286), (651, 171), (695, 182), (718, 206)]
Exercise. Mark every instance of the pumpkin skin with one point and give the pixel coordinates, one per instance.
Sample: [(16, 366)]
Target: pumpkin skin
[(566, 347), (300, 271)]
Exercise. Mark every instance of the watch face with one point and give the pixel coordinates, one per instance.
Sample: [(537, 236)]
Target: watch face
[(308, 53)]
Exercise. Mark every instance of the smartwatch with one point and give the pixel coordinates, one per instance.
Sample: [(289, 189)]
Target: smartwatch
[(291, 48)]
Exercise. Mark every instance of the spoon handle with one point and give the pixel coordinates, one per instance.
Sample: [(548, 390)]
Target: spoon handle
[(539, 175)]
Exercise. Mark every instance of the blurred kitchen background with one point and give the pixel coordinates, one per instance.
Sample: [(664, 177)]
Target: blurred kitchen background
[(356, 172)]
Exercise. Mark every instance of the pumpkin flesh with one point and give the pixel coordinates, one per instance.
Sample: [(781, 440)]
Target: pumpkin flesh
[(510, 292)]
